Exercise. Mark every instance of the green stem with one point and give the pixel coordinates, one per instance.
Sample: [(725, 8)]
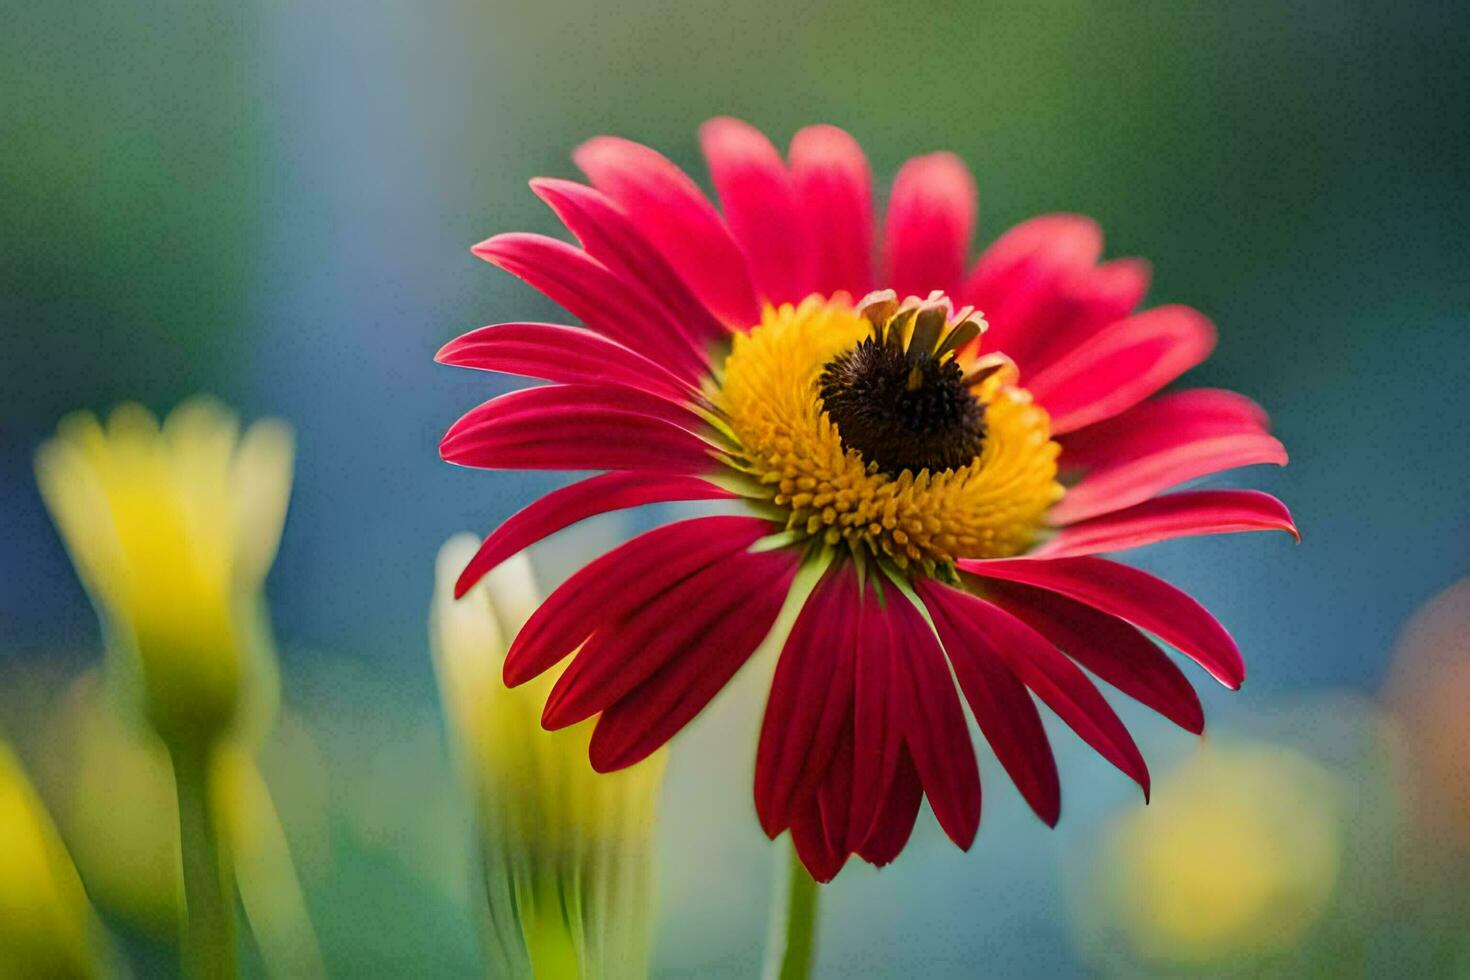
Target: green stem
[(793, 941), (208, 947)]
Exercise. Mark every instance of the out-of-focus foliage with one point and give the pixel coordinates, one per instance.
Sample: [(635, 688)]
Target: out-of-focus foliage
[(134, 171)]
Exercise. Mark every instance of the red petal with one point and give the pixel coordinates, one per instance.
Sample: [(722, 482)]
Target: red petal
[(1002, 707), (1096, 298), (639, 724), (760, 206), (590, 292), (834, 189), (895, 822), (564, 507), (614, 442), (672, 213), (567, 427), (835, 794), (1176, 515), (931, 216), (810, 700), (1116, 652), (1122, 365), (608, 236), (629, 648), (977, 624), (563, 354), (1164, 421), (933, 724), (625, 578), (1159, 444), (876, 732), (571, 400), (810, 841), (1128, 593), (1174, 458), (1108, 292), (1021, 277)]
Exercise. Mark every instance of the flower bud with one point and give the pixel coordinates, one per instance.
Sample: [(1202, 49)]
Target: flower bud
[(567, 851)]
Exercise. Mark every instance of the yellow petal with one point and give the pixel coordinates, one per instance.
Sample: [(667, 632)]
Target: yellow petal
[(47, 927)]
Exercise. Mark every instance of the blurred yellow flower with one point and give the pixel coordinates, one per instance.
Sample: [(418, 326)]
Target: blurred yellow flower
[(110, 787), (112, 791), (1238, 855), (172, 529), (47, 928), (567, 852)]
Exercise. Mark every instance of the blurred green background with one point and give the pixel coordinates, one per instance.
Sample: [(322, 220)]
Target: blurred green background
[(273, 202)]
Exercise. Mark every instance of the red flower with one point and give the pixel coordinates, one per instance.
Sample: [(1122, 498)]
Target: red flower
[(899, 464)]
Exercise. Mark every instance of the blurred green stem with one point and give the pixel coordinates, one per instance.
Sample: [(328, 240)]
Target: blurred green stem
[(792, 945), (208, 947)]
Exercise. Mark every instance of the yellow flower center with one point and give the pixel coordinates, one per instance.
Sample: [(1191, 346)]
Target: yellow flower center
[(835, 409)]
